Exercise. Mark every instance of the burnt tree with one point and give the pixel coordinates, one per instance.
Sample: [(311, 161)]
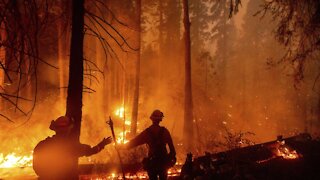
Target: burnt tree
[(188, 104), (135, 108), (74, 96)]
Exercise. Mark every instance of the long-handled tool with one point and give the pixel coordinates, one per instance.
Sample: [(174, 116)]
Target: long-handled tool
[(110, 123)]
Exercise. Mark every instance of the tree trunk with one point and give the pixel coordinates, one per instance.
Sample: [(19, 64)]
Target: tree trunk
[(161, 42), (63, 38), (135, 107), (2, 61), (188, 104), (74, 96)]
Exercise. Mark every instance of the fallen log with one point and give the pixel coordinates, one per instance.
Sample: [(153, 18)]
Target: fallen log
[(296, 157)]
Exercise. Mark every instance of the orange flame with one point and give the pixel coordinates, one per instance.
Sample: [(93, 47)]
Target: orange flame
[(120, 112), (121, 139), (12, 160), (286, 152)]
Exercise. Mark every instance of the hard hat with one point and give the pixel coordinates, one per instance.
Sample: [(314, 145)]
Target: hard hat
[(156, 115), (62, 122)]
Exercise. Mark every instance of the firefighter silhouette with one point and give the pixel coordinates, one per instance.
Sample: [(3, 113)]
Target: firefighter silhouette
[(53, 158), (157, 138)]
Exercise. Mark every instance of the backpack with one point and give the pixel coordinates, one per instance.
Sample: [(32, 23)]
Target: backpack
[(50, 159), (160, 159)]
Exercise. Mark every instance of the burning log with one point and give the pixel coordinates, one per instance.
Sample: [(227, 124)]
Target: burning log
[(295, 157)]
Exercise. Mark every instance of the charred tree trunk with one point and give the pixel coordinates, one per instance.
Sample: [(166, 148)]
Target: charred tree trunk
[(63, 38), (161, 41), (74, 96), (2, 61), (188, 104), (135, 108)]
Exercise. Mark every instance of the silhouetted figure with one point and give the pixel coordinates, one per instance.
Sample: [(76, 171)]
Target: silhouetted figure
[(156, 137), (53, 158)]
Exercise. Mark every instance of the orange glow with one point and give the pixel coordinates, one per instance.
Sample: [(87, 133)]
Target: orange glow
[(121, 139), (286, 152), (120, 112), (13, 160), (127, 122), (172, 172)]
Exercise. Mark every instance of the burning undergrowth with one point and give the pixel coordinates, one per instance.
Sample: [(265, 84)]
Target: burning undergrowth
[(294, 157), (17, 144), (238, 156)]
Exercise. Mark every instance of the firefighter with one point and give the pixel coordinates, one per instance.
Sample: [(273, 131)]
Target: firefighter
[(157, 138), (54, 157)]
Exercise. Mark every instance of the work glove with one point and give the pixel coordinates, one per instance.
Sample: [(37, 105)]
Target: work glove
[(104, 142)]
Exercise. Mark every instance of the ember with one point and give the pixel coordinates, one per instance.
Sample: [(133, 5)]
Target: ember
[(172, 174), (286, 152)]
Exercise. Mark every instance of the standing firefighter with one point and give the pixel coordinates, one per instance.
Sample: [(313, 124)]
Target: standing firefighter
[(156, 137), (53, 157)]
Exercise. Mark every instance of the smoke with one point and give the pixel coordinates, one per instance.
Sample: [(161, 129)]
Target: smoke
[(234, 88)]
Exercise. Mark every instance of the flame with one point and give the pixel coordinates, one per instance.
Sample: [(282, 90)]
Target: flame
[(121, 138), (12, 160), (113, 175), (172, 172), (138, 175), (282, 150), (120, 112), (127, 122), (286, 152)]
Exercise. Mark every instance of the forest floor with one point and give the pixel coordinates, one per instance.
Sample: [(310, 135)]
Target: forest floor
[(87, 172)]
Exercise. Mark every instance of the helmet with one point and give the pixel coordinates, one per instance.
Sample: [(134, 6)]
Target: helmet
[(61, 123), (156, 115)]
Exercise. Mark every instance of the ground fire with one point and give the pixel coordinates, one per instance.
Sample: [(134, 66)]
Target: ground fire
[(285, 151), (294, 158), (13, 160), (255, 161)]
